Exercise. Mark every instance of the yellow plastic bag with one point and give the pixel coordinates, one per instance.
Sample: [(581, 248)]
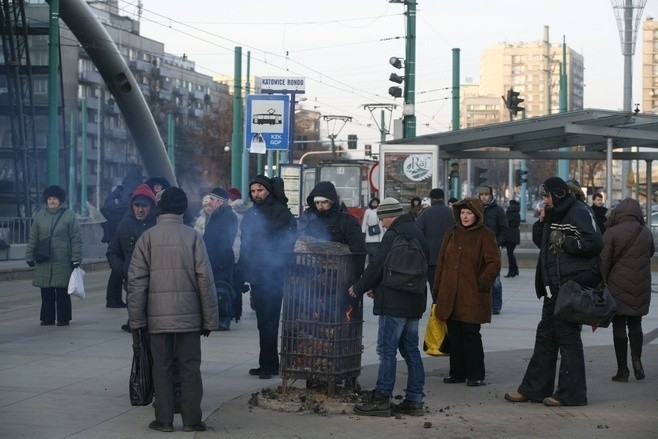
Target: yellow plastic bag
[(436, 336)]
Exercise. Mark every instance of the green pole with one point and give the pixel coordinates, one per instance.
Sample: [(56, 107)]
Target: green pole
[(171, 141), (236, 138), (410, 71), (83, 160), (52, 156), (72, 154), (383, 125), (245, 154)]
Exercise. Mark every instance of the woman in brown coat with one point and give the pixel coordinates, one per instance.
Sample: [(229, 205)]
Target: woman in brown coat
[(626, 267), (468, 264)]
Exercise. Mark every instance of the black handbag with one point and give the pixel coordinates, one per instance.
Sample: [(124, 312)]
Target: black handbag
[(42, 249), (374, 230), (585, 305), (141, 377)]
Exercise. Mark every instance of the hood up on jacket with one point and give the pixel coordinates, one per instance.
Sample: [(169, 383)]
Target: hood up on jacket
[(324, 189), (628, 209), (474, 205)]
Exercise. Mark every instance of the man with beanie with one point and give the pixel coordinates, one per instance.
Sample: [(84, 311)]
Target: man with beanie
[(433, 222), (399, 313), (171, 292), (324, 220), (268, 233), (569, 244), (140, 217), (496, 221)]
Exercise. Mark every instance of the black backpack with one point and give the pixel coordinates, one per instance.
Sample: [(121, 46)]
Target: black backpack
[(405, 268)]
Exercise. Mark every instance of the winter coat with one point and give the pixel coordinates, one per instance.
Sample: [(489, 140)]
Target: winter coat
[(120, 250), (219, 236), (468, 264), (333, 224), (170, 282), (388, 301), (200, 223), (496, 221), (577, 258), (370, 218), (628, 275), (513, 215), (65, 246), (434, 222), (268, 234)]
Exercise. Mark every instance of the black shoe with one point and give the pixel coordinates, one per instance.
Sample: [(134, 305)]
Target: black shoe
[(126, 328), (453, 380), (161, 426), (259, 371), (62, 323), (201, 426), (47, 323), (407, 407), (638, 370), (495, 312), (475, 383), (379, 405)]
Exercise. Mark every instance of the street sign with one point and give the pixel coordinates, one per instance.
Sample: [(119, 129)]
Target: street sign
[(280, 84), (267, 122)]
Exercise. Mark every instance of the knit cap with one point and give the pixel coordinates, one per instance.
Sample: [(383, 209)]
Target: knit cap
[(173, 200), (389, 207), (220, 194)]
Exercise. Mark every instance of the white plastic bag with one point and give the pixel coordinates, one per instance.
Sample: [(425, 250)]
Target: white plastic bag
[(76, 285)]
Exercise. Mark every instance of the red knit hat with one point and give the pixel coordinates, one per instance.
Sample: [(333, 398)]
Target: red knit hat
[(234, 194)]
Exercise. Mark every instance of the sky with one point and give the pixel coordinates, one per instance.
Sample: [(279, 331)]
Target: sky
[(342, 47)]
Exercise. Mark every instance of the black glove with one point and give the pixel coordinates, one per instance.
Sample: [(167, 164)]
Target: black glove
[(75, 265), (205, 332), (30, 263)]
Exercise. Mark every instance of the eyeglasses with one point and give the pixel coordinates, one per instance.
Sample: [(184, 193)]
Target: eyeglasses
[(557, 193)]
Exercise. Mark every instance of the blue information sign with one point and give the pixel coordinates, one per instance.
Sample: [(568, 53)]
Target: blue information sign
[(267, 122)]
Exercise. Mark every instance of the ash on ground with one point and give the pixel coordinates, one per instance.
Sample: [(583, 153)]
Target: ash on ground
[(308, 400)]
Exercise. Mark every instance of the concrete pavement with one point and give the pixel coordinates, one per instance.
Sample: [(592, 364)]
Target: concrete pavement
[(72, 382)]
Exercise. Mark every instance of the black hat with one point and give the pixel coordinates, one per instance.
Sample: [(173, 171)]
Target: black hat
[(556, 187), (173, 200), (151, 182), (437, 193), (262, 179), (54, 191), (219, 193)]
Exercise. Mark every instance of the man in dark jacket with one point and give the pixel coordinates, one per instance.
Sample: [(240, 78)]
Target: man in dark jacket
[(219, 235), (496, 221), (140, 218), (399, 313), (570, 244), (433, 222), (324, 219), (600, 211), (268, 232)]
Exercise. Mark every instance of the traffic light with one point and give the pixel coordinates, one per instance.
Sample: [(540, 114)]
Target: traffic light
[(521, 177), (351, 141), (513, 101), (396, 91), (454, 169), (479, 178)]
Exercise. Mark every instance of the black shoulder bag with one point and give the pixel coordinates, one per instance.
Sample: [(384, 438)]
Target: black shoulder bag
[(42, 250)]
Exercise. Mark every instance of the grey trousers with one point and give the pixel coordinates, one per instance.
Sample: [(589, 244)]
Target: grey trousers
[(187, 345)]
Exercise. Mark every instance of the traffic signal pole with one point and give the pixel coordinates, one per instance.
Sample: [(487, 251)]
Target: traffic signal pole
[(409, 110)]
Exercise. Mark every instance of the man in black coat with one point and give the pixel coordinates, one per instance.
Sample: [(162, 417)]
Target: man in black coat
[(433, 222), (268, 233), (219, 235), (399, 313), (325, 220), (496, 221), (600, 211), (140, 218)]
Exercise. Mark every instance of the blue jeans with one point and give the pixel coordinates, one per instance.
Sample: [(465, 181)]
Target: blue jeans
[(399, 333)]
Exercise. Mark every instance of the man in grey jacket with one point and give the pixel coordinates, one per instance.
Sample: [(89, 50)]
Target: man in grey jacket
[(171, 292)]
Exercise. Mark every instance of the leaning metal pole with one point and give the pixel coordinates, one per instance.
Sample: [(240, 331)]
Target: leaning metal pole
[(98, 44)]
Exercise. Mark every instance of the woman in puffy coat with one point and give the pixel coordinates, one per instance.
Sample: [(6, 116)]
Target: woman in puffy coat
[(468, 264), (52, 276), (626, 267)]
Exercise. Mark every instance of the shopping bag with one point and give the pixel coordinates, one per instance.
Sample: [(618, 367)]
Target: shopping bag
[(436, 341), (587, 306), (76, 283), (141, 377)]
